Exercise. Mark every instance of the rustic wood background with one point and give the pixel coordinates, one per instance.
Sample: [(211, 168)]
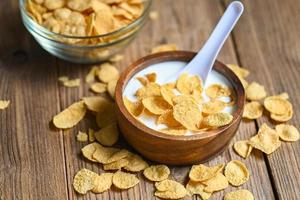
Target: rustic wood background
[(38, 163)]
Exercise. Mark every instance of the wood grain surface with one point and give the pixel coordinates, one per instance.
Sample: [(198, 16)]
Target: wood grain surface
[(38, 162)]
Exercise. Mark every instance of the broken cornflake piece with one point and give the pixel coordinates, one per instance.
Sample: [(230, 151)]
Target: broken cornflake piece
[(124, 180), (84, 181), (239, 194), (197, 188), (242, 148), (167, 118), (102, 182), (287, 133), (69, 82), (202, 173), (108, 135), (157, 172), (82, 137), (253, 110), (4, 104), (151, 77), (236, 173), (255, 92), (70, 116), (266, 140), (142, 80), (164, 47), (98, 87)]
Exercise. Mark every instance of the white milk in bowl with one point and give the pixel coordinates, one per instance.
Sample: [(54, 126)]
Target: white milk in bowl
[(163, 71)]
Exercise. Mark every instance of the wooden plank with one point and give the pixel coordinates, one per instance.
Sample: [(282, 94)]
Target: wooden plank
[(268, 45), (31, 161), (188, 24)]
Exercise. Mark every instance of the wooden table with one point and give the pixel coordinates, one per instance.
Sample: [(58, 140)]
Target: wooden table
[(38, 163)]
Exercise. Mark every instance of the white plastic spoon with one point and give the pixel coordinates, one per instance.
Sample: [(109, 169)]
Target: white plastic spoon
[(203, 62)]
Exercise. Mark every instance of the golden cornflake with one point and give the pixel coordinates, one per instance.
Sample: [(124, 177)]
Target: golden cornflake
[(164, 47), (239, 194), (240, 72), (135, 108), (82, 137), (106, 116), (217, 183), (236, 173), (197, 188), (89, 150), (98, 87), (282, 118), (255, 92), (156, 105), (287, 133), (187, 84), (91, 135), (167, 118), (102, 182), (123, 153), (188, 114), (150, 90), (117, 165), (242, 148), (213, 106), (201, 172), (253, 110), (151, 77), (266, 140), (107, 73), (4, 104), (84, 181), (70, 116), (124, 180), (96, 103), (277, 105), (167, 94), (136, 163), (216, 90), (90, 77), (218, 119), (142, 80), (108, 135), (111, 87), (103, 154), (157, 172), (169, 189)]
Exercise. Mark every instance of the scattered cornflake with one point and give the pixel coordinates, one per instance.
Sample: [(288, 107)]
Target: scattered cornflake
[(89, 150), (242, 148), (216, 90), (288, 133), (4, 104), (164, 47), (153, 15), (240, 72), (108, 135), (217, 183), (82, 137), (69, 82), (200, 173), (123, 180), (169, 189), (218, 119), (102, 182), (253, 110), (266, 140), (255, 92), (98, 87), (197, 188), (135, 108), (239, 194), (103, 154), (282, 118), (157, 172), (277, 105), (111, 87), (84, 181), (70, 116), (236, 173), (107, 73), (117, 165), (90, 77), (96, 103), (123, 153), (136, 163), (116, 58)]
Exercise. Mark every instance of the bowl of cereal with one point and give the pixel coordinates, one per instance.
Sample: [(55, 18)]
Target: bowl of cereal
[(181, 122), (84, 31)]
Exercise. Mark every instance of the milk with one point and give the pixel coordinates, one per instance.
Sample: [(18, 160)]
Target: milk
[(164, 70)]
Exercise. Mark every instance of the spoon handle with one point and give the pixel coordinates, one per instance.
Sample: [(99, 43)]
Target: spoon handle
[(202, 63)]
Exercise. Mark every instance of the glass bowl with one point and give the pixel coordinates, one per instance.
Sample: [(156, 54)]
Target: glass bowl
[(79, 51)]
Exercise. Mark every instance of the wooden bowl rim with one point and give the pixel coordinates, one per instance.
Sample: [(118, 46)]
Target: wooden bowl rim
[(143, 62)]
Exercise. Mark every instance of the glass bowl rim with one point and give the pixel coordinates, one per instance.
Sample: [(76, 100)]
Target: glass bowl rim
[(48, 32)]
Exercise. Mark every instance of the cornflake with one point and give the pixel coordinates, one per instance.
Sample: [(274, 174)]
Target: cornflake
[(89, 150), (70, 116), (157, 172), (98, 87), (156, 105), (218, 119), (84, 181), (151, 77), (187, 84), (117, 165), (96, 103), (202, 173), (169, 189), (136, 163), (124, 180), (197, 188), (123, 153), (255, 92), (107, 73), (150, 90), (215, 91), (4, 104), (102, 182), (116, 58), (242, 148), (103, 154), (277, 105), (164, 47), (236, 173), (213, 106), (287, 133), (167, 94), (253, 110), (239, 194), (217, 183), (135, 108), (108, 136), (167, 118), (91, 135), (82, 137), (111, 87), (90, 77)]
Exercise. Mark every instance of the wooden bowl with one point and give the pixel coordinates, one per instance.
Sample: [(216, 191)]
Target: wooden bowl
[(170, 149)]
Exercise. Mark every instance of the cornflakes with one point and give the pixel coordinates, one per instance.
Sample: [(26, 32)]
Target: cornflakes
[(167, 118), (253, 110), (218, 119), (98, 87), (151, 77), (89, 150), (108, 135), (136, 163), (150, 90), (216, 183), (91, 135), (135, 108), (277, 105), (255, 92), (187, 84), (116, 58), (117, 165), (174, 131), (282, 118), (102, 182), (84, 181), (236, 173), (70, 116), (107, 73), (157, 172), (239, 194), (90, 77), (242, 148), (123, 153), (167, 94), (169, 189), (155, 104), (111, 87), (124, 180), (96, 103), (201, 172), (216, 90), (287, 133), (103, 154), (197, 188), (213, 106)]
